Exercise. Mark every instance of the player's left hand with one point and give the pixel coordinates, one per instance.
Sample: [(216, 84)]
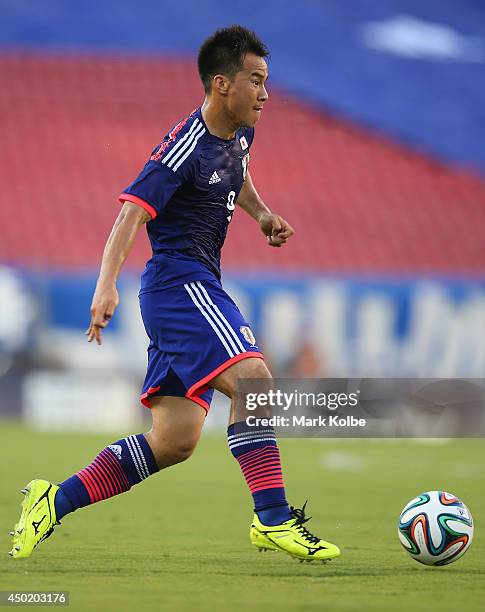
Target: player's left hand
[(276, 229)]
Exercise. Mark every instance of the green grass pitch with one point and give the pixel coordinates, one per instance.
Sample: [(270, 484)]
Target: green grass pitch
[(179, 541)]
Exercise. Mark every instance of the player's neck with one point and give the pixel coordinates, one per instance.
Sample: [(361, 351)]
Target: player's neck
[(217, 120)]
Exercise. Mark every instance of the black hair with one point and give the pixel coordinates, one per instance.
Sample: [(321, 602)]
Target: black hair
[(224, 51)]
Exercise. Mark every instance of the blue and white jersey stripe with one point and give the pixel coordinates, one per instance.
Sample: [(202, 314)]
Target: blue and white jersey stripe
[(184, 146)]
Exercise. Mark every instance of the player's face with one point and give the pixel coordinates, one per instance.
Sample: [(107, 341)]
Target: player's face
[(247, 93)]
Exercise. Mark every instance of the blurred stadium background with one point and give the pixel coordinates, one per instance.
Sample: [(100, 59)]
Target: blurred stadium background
[(371, 146)]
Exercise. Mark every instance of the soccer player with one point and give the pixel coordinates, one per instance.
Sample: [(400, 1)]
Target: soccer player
[(199, 340)]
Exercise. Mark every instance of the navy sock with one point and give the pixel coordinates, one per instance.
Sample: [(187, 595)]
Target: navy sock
[(274, 515), (62, 504), (256, 451), (115, 470)]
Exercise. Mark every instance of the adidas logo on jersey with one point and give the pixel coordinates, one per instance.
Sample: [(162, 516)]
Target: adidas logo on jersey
[(117, 449), (214, 179)]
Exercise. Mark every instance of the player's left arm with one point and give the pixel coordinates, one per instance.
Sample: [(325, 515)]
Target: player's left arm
[(272, 225)]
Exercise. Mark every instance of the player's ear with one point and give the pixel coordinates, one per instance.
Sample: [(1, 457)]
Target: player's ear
[(220, 83)]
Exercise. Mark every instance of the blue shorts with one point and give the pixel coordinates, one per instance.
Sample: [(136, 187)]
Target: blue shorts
[(196, 331)]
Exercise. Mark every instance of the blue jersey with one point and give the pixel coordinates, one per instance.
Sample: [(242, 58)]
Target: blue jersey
[(189, 186)]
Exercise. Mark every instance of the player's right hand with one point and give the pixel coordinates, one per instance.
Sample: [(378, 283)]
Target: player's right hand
[(105, 302)]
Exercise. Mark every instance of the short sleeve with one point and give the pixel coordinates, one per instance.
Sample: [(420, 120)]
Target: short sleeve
[(153, 187)]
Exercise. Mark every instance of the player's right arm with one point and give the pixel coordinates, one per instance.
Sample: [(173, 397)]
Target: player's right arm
[(120, 241)]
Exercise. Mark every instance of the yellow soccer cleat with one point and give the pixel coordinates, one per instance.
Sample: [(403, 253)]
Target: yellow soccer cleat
[(293, 538), (37, 519)]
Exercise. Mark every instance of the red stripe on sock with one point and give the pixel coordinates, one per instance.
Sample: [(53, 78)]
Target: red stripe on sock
[(262, 477), (108, 481), (117, 474), (261, 468), (267, 465), (243, 462), (93, 486), (86, 477), (98, 472), (114, 462), (96, 480), (267, 486), (115, 479), (104, 477), (263, 461), (256, 482), (256, 452), (87, 486)]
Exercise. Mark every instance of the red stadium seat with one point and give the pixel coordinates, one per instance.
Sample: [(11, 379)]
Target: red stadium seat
[(75, 132)]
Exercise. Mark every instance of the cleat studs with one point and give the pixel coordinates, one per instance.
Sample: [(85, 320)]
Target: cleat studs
[(12, 533), (17, 548), (10, 552), (19, 531), (24, 491)]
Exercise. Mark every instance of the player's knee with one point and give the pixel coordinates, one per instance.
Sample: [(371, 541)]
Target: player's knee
[(181, 450), (169, 451)]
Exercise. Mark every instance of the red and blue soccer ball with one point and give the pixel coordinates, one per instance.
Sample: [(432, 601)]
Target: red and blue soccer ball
[(435, 528)]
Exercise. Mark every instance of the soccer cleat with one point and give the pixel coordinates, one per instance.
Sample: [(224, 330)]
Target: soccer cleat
[(293, 538), (37, 519)]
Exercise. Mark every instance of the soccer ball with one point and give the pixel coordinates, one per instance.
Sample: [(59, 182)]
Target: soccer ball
[(435, 528)]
